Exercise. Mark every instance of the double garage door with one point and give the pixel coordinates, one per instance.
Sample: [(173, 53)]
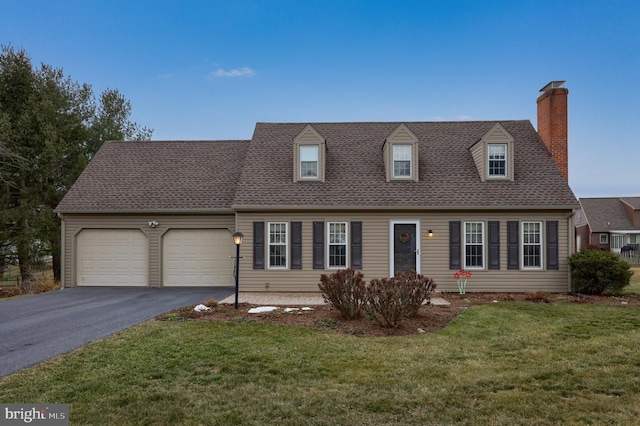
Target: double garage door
[(120, 257)]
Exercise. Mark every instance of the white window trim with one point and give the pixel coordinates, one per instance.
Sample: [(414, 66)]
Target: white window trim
[(346, 244), (287, 248), (532, 268), (484, 246), (604, 240), (317, 176), (506, 161), (393, 161)]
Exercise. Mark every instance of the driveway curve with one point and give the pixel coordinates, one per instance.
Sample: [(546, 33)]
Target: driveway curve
[(39, 327)]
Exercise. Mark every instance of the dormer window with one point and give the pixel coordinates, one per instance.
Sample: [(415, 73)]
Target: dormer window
[(309, 161), (401, 155), (497, 156), (493, 155), (402, 161), (309, 156)]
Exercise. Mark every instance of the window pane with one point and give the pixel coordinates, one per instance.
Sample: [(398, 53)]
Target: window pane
[(337, 249), (278, 245), (532, 244), (309, 161), (337, 256), (474, 244), (401, 160), (308, 169), (497, 160), (402, 168)]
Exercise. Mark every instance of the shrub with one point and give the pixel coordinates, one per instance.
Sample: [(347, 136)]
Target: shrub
[(345, 291), (391, 300), (597, 272)]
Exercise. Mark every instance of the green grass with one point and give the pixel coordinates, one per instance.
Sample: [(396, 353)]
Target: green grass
[(506, 363), (634, 284)]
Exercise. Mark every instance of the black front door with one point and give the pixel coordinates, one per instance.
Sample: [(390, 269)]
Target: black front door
[(404, 247)]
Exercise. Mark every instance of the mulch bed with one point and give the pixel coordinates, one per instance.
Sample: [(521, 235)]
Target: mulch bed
[(429, 319)]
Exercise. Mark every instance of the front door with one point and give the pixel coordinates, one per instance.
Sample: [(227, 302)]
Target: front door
[(405, 246)]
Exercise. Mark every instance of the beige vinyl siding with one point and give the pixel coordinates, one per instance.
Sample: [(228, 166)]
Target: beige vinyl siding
[(74, 223), (434, 258), (478, 158)]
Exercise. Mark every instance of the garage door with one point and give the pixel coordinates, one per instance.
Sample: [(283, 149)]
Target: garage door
[(112, 257), (197, 257)]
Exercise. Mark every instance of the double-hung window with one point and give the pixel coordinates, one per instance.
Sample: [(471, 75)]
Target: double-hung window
[(337, 244), (497, 156), (474, 245), (531, 245), (278, 243), (309, 161), (402, 161)]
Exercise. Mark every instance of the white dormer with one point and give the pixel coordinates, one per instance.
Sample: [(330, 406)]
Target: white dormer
[(401, 155), (493, 154), (309, 153)]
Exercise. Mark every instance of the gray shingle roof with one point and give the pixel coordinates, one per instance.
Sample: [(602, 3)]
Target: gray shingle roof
[(158, 176), (607, 214), (355, 175), (214, 175)]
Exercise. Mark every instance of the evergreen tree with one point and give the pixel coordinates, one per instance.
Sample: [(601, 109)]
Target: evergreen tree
[(50, 127)]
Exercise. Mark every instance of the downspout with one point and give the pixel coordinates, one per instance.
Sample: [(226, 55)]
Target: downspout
[(62, 246)]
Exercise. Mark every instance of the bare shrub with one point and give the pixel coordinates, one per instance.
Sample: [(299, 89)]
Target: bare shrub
[(43, 285), (391, 300), (345, 291), (210, 303)]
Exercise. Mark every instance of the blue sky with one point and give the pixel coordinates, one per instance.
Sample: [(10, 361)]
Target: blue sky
[(212, 69)]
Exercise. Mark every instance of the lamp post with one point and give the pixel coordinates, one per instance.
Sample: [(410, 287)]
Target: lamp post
[(237, 240)]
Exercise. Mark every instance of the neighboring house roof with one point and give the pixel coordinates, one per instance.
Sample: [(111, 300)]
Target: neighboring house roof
[(607, 214), (355, 170), (258, 174), (633, 202), (158, 176)]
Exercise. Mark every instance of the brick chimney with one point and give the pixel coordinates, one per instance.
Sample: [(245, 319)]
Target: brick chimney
[(552, 123)]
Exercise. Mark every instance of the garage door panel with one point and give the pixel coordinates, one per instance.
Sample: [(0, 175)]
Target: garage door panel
[(112, 257), (197, 257)]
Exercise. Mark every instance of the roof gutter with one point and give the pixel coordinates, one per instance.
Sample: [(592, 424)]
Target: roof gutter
[(150, 211)]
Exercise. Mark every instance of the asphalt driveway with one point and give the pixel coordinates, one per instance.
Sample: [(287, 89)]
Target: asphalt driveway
[(39, 327)]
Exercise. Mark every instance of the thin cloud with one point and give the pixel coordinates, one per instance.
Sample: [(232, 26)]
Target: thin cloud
[(464, 118), (238, 72)]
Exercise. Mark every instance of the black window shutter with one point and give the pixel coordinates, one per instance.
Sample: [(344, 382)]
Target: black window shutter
[(494, 245), (318, 245), (513, 249), (552, 245), (258, 245), (454, 245), (356, 245), (296, 245)]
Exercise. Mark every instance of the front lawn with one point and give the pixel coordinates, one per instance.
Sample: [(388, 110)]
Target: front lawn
[(634, 283), (501, 363)]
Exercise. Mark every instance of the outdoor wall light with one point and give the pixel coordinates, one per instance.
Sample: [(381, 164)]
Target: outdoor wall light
[(430, 233), (237, 240), (153, 223)]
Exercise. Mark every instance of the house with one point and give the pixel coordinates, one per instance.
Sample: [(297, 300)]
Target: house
[(491, 197), (608, 223)]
